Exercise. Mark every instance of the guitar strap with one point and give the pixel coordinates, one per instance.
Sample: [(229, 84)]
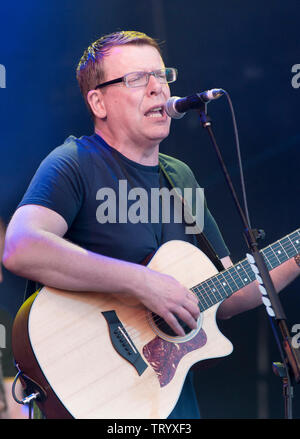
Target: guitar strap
[(202, 240), (30, 288)]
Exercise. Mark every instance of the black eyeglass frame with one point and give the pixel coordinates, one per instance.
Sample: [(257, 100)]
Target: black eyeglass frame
[(123, 78)]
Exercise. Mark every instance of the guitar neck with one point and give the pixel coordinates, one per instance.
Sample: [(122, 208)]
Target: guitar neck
[(227, 282)]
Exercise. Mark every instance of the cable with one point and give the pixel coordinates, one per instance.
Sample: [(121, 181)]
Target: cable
[(28, 400), (13, 389), (237, 142)]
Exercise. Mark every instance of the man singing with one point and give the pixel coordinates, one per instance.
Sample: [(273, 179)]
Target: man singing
[(56, 236)]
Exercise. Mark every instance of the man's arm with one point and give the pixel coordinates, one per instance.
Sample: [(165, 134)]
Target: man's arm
[(249, 297), (2, 236), (35, 249)]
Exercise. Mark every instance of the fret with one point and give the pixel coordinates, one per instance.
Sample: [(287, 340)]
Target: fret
[(280, 253), (231, 280), (295, 241), (268, 255), (224, 284), (234, 272), (283, 249), (247, 273), (276, 260), (288, 247), (199, 292), (214, 289), (206, 299), (240, 272), (250, 272), (212, 292)]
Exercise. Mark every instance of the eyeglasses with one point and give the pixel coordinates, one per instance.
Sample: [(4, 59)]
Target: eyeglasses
[(139, 79)]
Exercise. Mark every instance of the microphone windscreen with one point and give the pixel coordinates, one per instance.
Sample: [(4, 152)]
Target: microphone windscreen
[(171, 109)]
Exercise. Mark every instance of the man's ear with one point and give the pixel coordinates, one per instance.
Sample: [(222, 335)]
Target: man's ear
[(96, 102)]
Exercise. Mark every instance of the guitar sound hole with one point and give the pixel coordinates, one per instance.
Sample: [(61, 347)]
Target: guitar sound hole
[(164, 327)]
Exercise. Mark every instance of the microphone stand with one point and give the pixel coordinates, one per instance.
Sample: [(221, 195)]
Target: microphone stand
[(291, 361)]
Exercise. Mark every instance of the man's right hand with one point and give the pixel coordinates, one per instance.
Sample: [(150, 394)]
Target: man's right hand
[(165, 296)]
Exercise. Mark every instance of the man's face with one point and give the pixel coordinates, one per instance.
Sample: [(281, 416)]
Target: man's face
[(129, 117)]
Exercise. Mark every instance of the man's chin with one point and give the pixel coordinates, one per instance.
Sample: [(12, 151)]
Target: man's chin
[(159, 135)]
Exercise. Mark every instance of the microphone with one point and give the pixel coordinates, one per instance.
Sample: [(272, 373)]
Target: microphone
[(177, 107)]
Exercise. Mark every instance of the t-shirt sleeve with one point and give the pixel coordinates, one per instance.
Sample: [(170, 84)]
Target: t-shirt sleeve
[(57, 184)]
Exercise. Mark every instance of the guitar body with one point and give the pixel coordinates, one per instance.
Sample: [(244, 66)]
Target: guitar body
[(63, 341)]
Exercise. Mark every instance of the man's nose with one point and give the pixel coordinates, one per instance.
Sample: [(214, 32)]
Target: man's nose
[(154, 85)]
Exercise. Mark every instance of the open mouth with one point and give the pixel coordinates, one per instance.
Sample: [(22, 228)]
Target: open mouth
[(155, 112)]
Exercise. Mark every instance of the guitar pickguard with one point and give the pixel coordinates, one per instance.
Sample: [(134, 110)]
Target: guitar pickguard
[(164, 356)]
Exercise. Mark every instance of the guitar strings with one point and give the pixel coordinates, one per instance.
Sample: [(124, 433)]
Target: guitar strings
[(157, 319), (206, 292)]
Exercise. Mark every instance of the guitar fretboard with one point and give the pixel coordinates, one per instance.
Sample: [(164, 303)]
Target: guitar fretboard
[(224, 284)]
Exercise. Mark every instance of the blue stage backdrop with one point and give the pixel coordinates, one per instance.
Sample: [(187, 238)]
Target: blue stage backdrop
[(251, 49)]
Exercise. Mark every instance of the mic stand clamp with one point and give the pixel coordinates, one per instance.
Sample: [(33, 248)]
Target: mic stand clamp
[(270, 298), (279, 370)]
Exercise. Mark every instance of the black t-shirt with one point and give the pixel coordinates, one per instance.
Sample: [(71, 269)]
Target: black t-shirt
[(105, 198)]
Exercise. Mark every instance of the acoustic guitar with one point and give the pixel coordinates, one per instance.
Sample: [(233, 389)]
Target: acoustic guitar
[(97, 355)]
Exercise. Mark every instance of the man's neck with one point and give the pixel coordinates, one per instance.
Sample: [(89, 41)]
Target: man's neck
[(147, 156)]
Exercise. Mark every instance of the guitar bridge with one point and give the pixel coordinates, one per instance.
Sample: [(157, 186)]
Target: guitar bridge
[(123, 343)]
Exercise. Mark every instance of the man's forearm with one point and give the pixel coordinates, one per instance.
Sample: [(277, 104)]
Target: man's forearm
[(250, 296), (54, 261)]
